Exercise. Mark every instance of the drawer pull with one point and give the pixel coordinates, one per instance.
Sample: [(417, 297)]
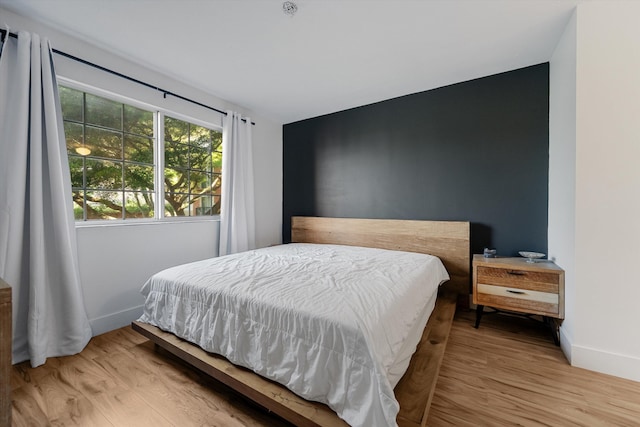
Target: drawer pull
[(516, 273), (516, 292)]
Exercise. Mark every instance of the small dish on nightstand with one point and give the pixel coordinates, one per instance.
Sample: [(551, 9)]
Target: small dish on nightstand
[(531, 256)]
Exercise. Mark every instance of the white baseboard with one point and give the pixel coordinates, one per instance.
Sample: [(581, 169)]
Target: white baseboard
[(112, 321), (618, 365)]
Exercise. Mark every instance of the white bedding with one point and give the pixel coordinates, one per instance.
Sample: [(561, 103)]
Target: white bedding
[(334, 324)]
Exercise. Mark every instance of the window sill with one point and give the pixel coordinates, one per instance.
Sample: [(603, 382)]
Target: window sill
[(144, 222)]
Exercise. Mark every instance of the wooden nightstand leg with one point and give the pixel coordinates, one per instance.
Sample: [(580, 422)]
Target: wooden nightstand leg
[(479, 311), (554, 328)]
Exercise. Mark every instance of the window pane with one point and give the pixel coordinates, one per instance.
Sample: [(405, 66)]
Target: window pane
[(176, 155), (78, 204), (175, 180), (201, 206), (200, 137), (169, 210), (104, 143), (199, 159), (71, 102), (138, 204), (73, 135), (200, 182), (216, 160), (138, 149), (176, 205), (104, 205), (215, 210), (138, 177), (176, 130), (103, 112), (103, 175), (190, 210), (216, 141), (137, 121), (76, 167), (217, 184)]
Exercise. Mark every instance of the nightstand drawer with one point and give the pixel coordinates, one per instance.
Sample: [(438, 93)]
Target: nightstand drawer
[(517, 299), (516, 278)]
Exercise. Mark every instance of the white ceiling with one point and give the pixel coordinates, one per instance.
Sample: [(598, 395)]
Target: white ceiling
[(332, 55)]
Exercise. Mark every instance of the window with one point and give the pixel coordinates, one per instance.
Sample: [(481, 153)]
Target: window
[(192, 168), (111, 148)]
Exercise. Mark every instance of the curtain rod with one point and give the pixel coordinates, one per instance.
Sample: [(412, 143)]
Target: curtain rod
[(124, 76)]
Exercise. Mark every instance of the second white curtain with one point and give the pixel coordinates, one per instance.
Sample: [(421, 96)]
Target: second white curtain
[(237, 211)]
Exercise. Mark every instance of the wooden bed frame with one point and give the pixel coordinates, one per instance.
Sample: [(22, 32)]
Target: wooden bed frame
[(447, 240)]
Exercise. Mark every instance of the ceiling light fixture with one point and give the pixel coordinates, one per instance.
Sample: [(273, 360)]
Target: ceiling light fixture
[(289, 8), (83, 150)]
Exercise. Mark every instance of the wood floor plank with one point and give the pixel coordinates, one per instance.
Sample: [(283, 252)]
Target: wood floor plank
[(26, 410), (117, 402), (152, 388), (103, 345), (59, 401), (174, 390), (508, 372)]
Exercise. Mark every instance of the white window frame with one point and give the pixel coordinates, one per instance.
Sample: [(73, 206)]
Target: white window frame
[(159, 114)]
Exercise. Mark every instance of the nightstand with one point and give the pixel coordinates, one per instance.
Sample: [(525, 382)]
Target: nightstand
[(515, 285)]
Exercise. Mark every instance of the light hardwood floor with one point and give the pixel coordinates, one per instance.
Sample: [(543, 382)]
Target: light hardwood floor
[(508, 372)]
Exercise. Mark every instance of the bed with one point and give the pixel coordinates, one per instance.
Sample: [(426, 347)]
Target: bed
[(356, 364)]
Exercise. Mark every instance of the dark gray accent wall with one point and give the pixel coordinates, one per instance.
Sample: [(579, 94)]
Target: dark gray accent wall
[(475, 151)]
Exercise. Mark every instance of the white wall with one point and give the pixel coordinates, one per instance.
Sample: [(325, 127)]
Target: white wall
[(115, 260), (608, 188), (605, 289), (562, 171)]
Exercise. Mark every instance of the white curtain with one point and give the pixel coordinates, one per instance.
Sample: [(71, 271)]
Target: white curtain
[(38, 254), (237, 211)]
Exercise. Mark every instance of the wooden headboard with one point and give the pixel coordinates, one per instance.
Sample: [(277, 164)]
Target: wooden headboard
[(448, 240)]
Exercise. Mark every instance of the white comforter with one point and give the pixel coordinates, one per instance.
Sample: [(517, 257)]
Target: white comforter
[(329, 322)]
